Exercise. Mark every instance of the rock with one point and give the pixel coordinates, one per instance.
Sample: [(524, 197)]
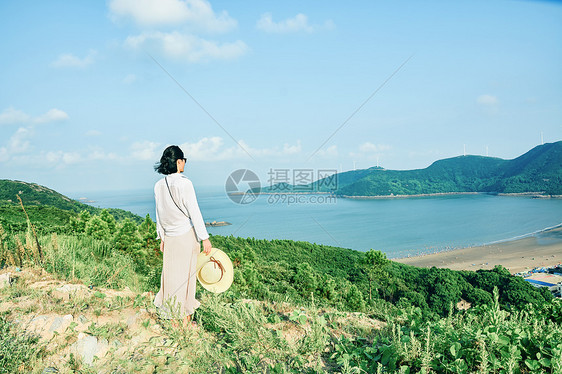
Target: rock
[(57, 323), (131, 320), (61, 323), (156, 328), (5, 280), (68, 288), (87, 348), (50, 370), (38, 323), (116, 344), (103, 347)]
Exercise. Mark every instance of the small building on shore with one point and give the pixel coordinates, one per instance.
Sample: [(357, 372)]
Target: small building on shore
[(552, 281)]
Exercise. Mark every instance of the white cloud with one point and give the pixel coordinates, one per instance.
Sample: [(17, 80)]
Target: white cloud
[(68, 60), (71, 157), (331, 151), (292, 149), (93, 133), (60, 157), (98, 154), (204, 149), (196, 13), (368, 147), (489, 100), (17, 144), (11, 116), (370, 151), (186, 47), (144, 150), (297, 23), (51, 116), (213, 149), (130, 79)]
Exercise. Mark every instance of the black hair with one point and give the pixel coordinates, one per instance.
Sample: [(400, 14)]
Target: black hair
[(167, 164)]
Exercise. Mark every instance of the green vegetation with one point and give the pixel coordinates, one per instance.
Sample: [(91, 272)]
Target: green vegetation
[(293, 307), (18, 350), (484, 339), (538, 171), (56, 205)]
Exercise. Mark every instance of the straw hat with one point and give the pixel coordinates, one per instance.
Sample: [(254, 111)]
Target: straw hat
[(215, 271)]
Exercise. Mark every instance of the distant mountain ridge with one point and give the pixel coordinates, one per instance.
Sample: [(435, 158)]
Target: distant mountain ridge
[(537, 171)]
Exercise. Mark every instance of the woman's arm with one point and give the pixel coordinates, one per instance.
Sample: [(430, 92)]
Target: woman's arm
[(159, 228), (190, 202)]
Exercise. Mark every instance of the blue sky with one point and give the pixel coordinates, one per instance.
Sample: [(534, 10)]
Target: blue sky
[(86, 102)]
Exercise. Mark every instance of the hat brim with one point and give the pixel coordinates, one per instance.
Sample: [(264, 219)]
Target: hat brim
[(227, 277)]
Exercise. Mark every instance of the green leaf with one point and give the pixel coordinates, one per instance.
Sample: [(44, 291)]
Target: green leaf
[(455, 348), (532, 364), (386, 356), (545, 362), (405, 369), (503, 340), (99, 295)]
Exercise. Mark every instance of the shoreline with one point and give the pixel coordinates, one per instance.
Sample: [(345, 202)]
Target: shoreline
[(534, 195), (538, 249)]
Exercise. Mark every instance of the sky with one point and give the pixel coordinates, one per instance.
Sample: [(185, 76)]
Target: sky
[(91, 92)]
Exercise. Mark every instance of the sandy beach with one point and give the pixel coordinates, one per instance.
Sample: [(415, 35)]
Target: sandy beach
[(541, 249)]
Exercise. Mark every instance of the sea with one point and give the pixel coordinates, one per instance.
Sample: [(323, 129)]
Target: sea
[(400, 227)]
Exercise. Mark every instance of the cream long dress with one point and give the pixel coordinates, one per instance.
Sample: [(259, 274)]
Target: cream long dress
[(182, 228)]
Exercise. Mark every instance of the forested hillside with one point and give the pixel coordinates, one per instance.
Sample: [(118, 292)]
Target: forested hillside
[(538, 171), (46, 207)]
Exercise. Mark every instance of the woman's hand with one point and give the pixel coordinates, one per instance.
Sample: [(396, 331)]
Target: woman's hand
[(207, 246), (161, 246)]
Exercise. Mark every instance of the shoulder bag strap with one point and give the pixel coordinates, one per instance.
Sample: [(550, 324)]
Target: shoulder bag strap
[(167, 185)]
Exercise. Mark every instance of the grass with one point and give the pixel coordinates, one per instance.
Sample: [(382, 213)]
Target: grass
[(19, 350), (234, 336), (280, 333), (250, 336)]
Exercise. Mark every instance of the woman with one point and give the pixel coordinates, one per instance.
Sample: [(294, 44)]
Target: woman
[(180, 228)]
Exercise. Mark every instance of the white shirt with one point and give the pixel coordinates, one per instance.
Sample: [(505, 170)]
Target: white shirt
[(170, 221)]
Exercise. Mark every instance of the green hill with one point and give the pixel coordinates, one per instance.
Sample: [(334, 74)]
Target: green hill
[(46, 208), (537, 171)]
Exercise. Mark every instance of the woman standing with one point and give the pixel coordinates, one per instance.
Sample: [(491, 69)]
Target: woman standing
[(180, 228)]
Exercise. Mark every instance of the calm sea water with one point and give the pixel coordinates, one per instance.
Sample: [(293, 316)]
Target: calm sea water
[(399, 227)]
